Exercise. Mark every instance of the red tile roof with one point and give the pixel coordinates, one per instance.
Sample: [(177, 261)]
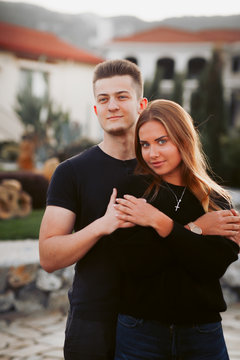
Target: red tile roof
[(160, 34), (221, 35), (29, 43), (170, 35)]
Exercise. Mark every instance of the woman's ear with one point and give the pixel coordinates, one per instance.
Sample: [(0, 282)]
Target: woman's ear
[(95, 109)]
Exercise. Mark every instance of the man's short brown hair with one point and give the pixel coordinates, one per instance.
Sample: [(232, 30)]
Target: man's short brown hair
[(119, 67)]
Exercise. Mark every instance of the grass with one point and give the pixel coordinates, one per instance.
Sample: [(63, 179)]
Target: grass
[(21, 228)]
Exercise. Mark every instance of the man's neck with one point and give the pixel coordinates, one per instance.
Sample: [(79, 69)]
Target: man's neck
[(119, 147)]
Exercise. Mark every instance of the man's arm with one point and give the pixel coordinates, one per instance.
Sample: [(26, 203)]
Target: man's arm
[(222, 222), (59, 247)]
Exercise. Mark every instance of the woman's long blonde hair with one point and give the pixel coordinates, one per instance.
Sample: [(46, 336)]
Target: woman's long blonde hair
[(179, 126)]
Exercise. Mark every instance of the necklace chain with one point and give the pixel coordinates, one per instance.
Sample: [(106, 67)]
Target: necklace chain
[(177, 200)]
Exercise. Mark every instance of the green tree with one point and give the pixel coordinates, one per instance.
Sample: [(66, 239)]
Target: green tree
[(45, 124), (177, 94), (208, 109), (61, 128), (29, 108), (152, 88), (231, 154)]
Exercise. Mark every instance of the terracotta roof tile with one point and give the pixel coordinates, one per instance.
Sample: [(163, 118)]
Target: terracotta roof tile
[(161, 34), (221, 35), (170, 35), (31, 43)]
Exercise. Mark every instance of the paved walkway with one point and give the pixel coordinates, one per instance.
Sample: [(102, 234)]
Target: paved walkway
[(40, 336)]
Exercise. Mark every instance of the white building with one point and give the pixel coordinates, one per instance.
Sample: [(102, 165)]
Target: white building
[(184, 52), (55, 68)]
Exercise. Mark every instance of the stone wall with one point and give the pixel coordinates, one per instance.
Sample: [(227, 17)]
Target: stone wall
[(230, 283), (26, 287)]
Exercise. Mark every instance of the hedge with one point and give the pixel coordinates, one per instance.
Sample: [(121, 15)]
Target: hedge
[(35, 185)]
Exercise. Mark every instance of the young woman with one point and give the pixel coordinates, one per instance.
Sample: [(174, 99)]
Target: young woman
[(170, 265)]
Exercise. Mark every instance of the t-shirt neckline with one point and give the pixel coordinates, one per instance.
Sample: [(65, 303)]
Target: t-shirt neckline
[(113, 158)]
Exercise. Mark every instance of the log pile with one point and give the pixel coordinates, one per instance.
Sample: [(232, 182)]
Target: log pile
[(14, 202)]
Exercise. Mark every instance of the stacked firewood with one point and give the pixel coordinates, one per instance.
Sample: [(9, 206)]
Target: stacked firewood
[(14, 202)]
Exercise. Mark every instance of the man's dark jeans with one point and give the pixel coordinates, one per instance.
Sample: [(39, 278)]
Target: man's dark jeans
[(89, 340)]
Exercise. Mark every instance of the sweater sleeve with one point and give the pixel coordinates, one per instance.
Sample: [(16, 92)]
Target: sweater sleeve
[(206, 255)]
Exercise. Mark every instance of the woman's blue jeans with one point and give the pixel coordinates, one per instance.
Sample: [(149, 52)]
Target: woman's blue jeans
[(138, 339)]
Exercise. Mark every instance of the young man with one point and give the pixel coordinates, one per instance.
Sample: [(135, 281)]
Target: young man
[(78, 197), (77, 200)]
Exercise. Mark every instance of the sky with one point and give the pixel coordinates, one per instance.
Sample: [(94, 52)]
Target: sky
[(148, 10)]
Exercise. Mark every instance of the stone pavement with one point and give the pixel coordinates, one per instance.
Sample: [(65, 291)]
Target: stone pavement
[(40, 336), (32, 337)]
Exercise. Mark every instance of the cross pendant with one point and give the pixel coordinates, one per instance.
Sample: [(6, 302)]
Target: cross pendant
[(177, 206)]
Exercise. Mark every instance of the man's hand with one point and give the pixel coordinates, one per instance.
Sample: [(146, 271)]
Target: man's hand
[(110, 221), (222, 222)]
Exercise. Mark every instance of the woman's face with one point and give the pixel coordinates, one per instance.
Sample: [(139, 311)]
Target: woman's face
[(159, 152)]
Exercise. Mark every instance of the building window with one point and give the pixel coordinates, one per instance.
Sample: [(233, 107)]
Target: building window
[(36, 82), (235, 109), (166, 65), (236, 63), (132, 59), (195, 67)]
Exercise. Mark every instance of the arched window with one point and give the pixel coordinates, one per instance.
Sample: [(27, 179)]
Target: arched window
[(236, 63), (235, 109), (166, 65), (132, 59), (195, 67)]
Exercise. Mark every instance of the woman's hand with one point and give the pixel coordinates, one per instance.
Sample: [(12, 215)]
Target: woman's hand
[(139, 212), (135, 210), (222, 222)]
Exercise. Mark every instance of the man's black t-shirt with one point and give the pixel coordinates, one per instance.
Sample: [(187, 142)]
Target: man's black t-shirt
[(83, 184)]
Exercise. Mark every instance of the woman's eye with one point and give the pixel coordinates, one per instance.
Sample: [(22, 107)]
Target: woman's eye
[(162, 141), (144, 145)]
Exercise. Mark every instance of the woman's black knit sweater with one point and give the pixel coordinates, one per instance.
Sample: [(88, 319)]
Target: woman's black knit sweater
[(174, 279)]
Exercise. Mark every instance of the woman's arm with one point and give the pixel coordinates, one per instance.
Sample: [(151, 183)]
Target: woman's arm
[(204, 254), (139, 212), (136, 210), (207, 255)]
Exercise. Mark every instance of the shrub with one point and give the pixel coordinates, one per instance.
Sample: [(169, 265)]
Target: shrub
[(9, 151), (230, 169), (73, 149)]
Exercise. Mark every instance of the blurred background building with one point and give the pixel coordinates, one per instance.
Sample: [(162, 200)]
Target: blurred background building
[(47, 61), (53, 69), (175, 51)]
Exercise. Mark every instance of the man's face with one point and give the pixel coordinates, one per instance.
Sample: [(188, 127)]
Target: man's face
[(117, 105)]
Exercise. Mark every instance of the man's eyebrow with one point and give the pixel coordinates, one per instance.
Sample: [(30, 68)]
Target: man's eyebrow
[(102, 95), (116, 93), (122, 91)]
